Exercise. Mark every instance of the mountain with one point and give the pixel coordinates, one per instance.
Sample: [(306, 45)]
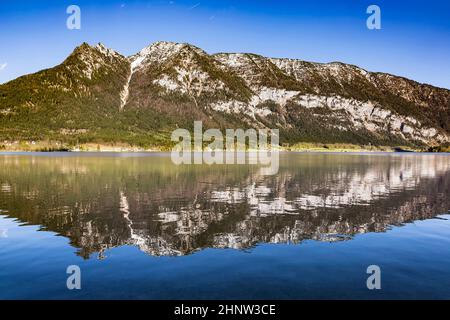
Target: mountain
[(100, 96)]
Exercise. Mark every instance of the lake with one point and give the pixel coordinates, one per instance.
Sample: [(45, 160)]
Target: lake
[(140, 227)]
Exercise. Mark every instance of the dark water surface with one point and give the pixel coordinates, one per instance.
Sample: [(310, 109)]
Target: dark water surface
[(140, 227)]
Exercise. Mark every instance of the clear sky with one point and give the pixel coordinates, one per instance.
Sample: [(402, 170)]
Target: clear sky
[(414, 40)]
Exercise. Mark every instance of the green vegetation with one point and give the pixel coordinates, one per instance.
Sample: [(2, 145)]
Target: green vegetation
[(444, 148), (76, 105)]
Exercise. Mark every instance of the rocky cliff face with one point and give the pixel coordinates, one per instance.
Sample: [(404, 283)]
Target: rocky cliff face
[(98, 95)]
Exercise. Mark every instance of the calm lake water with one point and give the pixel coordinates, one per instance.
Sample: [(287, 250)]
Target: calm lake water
[(140, 227)]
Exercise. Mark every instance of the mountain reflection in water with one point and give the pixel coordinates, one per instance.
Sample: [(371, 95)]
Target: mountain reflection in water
[(100, 201)]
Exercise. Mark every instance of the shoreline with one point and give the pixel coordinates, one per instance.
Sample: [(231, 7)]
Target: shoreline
[(300, 147)]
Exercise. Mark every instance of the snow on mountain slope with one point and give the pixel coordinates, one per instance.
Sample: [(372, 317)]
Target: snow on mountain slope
[(180, 83)]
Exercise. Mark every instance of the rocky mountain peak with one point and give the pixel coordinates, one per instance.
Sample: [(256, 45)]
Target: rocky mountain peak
[(107, 51), (161, 51), (87, 59), (178, 83)]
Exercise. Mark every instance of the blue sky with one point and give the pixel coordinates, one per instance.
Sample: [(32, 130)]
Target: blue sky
[(414, 40)]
